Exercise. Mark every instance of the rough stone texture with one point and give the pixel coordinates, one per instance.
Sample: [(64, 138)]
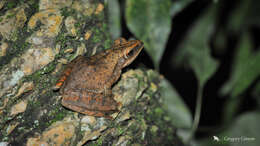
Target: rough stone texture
[(54, 4), (84, 7), (19, 108), (134, 90), (70, 25), (60, 133), (2, 2), (42, 50), (3, 49), (51, 20), (11, 22)]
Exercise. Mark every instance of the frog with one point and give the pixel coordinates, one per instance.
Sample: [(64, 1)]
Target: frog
[(85, 85)]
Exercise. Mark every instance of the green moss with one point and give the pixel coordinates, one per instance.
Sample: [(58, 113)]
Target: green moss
[(36, 104), (49, 68), (101, 16), (154, 130), (55, 115), (107, 43), (100, 35), (159, 112), (97, 36), (120, 130), (41, 78), (34, 4), (18, 46), (61, 38), (59, 116), (99, 142), (11, 4), (64, 40), (96, 39), (161, 126), (67, 12), (77, 24)]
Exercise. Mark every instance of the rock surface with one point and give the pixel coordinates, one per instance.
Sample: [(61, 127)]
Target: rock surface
[(34, 50)]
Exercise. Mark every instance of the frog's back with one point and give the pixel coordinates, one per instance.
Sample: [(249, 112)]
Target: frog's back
[(88, 74)]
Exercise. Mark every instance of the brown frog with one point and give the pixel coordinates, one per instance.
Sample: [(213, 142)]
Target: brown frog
[(86, 82)]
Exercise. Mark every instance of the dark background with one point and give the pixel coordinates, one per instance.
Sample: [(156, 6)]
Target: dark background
[(184, 79)]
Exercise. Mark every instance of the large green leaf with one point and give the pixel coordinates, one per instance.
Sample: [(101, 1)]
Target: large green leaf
[(114, 19), (244, 131), (178, 5), (249, 73), (150, 21), (177, 109), (246, 126), (245, 68), (195, 50)]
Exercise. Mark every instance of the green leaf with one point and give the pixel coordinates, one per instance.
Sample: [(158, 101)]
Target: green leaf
[(245, 68), (150, 21), (203, 65), (177, 6), (195, 49), (177, 109), (249, 73), (114, 19), (246, 125)]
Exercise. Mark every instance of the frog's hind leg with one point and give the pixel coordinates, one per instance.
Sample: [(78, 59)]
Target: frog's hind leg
[(66, 73), (86, 111), (62, 79)]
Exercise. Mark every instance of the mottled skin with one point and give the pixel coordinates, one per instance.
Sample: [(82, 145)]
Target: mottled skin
[(86, 82)]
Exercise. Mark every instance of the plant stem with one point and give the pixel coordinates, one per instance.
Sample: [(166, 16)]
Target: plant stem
[(197, 113)]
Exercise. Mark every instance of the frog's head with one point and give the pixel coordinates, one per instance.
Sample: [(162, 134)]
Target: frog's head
[(127, 51)]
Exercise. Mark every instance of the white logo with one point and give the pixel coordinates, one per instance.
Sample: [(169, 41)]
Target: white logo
[(215, 138)]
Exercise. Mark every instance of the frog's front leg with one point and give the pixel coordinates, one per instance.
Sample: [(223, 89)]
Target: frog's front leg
[(107, 92), (113, 78)]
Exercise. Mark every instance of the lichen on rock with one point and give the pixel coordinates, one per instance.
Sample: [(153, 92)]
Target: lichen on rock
[(13, 20)]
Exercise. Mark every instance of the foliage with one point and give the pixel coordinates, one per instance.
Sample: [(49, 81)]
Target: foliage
[(152, 27), (208, 35)]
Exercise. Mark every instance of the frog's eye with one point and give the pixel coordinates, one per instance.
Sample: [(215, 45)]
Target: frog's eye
[(133, 51), (130, 53)]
